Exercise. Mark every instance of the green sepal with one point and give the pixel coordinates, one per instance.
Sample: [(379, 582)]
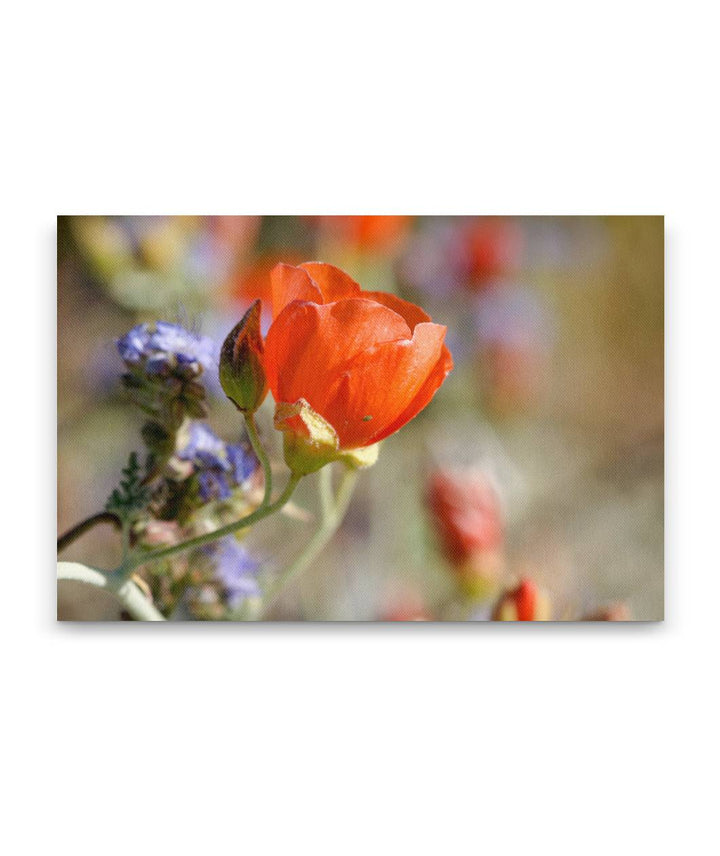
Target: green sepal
[(311, 442)]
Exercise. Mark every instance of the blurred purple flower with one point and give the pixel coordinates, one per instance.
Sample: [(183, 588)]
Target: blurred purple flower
[(437, 261), (236, 570), (242, 460), (206, 260), (213, 485), (513, 316)]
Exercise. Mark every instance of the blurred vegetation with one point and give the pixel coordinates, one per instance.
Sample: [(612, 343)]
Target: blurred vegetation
[(556, 327)]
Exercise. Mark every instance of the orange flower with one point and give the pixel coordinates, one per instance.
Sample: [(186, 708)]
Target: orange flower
[(466, 514), (494, 246), (368, 232), (364, 362), (526, 602), (252, 282)]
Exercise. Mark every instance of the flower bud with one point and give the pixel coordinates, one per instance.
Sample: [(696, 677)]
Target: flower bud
[(242, 375), (525, 602)]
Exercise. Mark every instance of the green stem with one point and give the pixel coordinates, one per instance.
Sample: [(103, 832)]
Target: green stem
[(126, 591), (332, 516), (326, 492), (138, 559), (262, 456)]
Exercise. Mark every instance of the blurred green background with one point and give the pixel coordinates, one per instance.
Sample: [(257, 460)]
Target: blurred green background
[(556, 328)]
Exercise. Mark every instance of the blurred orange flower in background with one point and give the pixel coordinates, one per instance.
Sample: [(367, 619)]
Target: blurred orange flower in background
[(525, 602), (494, 247), (252, 282), (367, 362), (466, 513), (367, 232)]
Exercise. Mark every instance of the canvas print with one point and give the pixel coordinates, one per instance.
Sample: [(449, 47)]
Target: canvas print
[(360, 418)]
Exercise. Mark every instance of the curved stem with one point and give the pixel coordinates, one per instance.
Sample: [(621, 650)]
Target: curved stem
[(126, 592), (138, 559), (332, 516), (84, 526), (262, 455)]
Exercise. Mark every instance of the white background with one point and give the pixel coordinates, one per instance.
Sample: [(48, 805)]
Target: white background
[(359, 739)]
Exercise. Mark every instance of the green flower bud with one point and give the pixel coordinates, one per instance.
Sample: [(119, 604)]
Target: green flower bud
[(242, 375)]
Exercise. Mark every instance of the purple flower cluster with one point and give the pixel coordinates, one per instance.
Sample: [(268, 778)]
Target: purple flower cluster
[(236, 570), (167, 347), (164, 364), (219, 466)]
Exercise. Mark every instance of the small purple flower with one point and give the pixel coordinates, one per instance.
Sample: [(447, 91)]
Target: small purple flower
[(167, 346), (186, 347), (242, 460), (132, 346), (205, 449), (236, 570), (219, 467), (207, 453)]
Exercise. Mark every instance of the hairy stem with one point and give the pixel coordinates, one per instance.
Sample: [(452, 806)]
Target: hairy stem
[(84, 526), (332, 516), (262, 455), (127, 592), (136, 560)]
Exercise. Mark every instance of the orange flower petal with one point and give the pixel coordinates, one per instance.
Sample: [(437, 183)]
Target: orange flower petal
[(526, 596), (382, 384), (290, 283), (425, 394), (309, 345), (412, 314), (332, 282)]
